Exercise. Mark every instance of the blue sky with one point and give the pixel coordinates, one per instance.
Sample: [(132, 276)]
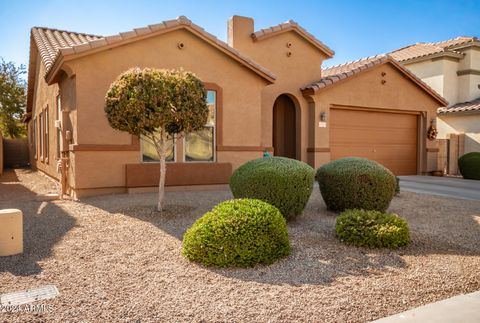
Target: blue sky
[(353, 29)]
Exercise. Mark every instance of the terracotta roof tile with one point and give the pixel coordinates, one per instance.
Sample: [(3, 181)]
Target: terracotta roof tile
[(461, 40), (470, 106), (427, 49), (292, 25), (51, 42), (337, 73)]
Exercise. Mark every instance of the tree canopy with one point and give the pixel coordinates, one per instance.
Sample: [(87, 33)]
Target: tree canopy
[(143, 101), (12, 99), (157, 105)]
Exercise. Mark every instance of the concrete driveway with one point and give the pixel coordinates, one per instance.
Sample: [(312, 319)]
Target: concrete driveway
[(444, 186)]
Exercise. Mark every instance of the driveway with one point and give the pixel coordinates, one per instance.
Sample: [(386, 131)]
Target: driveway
[(443, 186)]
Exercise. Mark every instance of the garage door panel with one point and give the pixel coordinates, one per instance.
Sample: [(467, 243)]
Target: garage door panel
[(388, 138), (378, 152), (370, 119), (373, 136)]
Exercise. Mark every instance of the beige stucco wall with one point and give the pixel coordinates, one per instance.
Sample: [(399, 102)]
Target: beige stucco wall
[(44, 98), (461, 123), (241, 91), (294, 60), (440, 75), (469, 83), (367, 91)]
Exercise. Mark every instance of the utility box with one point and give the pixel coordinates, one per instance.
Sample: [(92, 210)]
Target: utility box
[(11, 232)]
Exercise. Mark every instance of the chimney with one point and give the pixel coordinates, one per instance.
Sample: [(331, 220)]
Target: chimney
[(240, 30)]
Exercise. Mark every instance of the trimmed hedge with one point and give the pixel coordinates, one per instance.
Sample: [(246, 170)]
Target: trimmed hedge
[(356, 183), (283, 182), (469, 165), (238, 233), (397, 185), (372, 229)]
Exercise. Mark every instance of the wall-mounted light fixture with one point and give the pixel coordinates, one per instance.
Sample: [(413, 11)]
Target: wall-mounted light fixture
[(323, 116)]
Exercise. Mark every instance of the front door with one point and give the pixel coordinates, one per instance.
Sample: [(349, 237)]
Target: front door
[(284, 127)]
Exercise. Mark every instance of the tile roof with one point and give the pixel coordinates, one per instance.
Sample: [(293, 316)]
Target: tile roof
[(337, 73), (470, 106), (54, 43), (461, 40), (291, 25), (340, 72), (420, 50), (50, 41)]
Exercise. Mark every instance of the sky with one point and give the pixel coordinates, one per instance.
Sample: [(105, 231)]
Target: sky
[(353, 29)]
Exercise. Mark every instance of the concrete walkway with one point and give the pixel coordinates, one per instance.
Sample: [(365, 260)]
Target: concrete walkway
[(444, 186), (458, 309)]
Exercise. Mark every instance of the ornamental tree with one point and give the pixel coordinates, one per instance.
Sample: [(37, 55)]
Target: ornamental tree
[(157, 105)]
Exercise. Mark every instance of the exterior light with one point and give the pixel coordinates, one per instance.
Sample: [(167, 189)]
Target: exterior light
[(323, 116)]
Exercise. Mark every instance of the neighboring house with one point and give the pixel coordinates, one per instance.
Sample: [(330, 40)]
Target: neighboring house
[(266, 89), (451, 68)]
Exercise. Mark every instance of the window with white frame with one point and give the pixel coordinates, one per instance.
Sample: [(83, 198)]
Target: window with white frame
[(200, 145)]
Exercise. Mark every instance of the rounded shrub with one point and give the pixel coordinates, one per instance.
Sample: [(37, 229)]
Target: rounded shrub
[(283, 182), (238, 233), (372, 229), (356, 183), (469, 165)]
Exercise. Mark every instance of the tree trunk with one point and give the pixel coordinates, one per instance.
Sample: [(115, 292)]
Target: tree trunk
[(161, 183)]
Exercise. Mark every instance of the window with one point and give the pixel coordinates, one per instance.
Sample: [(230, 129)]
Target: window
[(35, 136), (200, 145), (149, 153), (59, 130), (40, 135), (46, 126)]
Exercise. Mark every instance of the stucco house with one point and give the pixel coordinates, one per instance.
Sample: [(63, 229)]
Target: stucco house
[(452, 69), (266, 91)]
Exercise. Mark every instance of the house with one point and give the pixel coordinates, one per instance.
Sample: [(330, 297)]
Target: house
[(267, 90), (452, 69)]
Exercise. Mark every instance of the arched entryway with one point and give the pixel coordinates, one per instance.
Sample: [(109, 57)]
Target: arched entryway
[(284, 127)]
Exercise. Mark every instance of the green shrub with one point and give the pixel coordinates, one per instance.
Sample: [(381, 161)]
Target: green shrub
[(283, 182), (238, 233), (356, 183), (372, 229), (469, 165)]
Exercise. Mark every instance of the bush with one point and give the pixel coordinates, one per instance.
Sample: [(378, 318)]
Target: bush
[(469, 165), (356, 183), (372, 229), (239, 233), (397, 185), (283, 182)]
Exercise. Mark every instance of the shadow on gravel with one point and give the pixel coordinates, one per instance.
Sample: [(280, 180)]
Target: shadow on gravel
[(44, 224), (181, 211), (317, 257)]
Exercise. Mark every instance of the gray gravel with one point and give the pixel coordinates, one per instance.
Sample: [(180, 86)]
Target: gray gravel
[(113, 258)]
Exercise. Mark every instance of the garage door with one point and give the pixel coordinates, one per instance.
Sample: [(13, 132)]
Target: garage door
[(388, 138)]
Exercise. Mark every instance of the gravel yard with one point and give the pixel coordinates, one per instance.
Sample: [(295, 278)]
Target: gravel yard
[(113, 258)]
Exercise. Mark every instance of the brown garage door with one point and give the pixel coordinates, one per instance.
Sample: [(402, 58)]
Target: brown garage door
[(388, 138)]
